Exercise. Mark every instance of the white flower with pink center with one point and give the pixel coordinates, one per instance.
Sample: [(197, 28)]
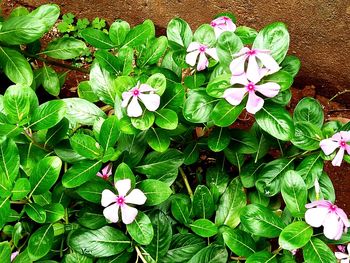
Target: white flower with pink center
[(222, 24), (234, 96), (339, 140), (254, 56), (141, 92), (196, 49), (115, 203), (106, 172), (332, 218), (342, 256)]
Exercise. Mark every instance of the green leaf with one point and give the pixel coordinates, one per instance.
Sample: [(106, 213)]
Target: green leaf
[(198, 107), (294, 193), (309, 110), (179, 33), (124, 172), (80, 173), (5, 252), (36, 212), (47, 14), (65, 48), (57, 133), (9, 159), (239, 242), (156, 50), (228, 45), (5, 211), (295, 235), (40, 242), (327, 189), (75, 257), (92, 190), (50, 82), (104, 242), (19, 11), (45, 174), (158, 139), (291, 64), (244, 142), (108, 61), (21, 30), (276, 121), (166, 119), (180, 208), (217, 178), (15, 66), (307, 136), (48, 115), (86, 146), (203, 203), (205, 35), (271, 176), (54, 212), (144, 122), (118, 31), (204, 228), (141, 229), (261, 221), (274, 37), (21, 189), (109, 132), (310, 168), (155, 191), (224, 114), (318, 252), (211, 254), (126, 58), (85, 91), (246, 34), (282, 78), (158, 82), (140, 34), (97, 38), (156, 163), (262, 257), (231, 204), (80, 111), (218, 139), (191, 153)]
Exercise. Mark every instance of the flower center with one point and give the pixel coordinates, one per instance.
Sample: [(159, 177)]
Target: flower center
[(120, 200), (202, 49), (251, 52), (342, 143), (136, 92), (226, 18), (213, 24), (333, 208), (250, 87)]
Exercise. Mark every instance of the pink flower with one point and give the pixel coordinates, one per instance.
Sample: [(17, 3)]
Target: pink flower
[(222, 24), (113, 202), (324, 213), (146, 95), (14, 255), (196, 49), (339, 140), (342, 256), (254, 72), (234, 96), (106, 172)]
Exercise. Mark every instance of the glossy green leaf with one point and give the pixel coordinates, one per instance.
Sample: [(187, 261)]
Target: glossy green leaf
[(309, 110), (203, 203), (9, 159), (144, 122), (36, 212), (239, 242), (80, 173), (246, 34), (243, 142), (204, 228), (327, 191), (85, 91), (180, 208), (5, 252), (21, 189), (47, 14), (218, 139), (158, 82), (118, 31), (316, 251), (48, 115), (140, 34), (282, 78), (198, 107), (310, 168), (262, 257), (141, 229), (155, 191), (50, 82), (54, 212), (227, 46), (224, 114), (92, 190), (179, 33), (108, 61), (86, 146), (156, 50), (191, 153), (217, 86), (295, 235), (158, 139), (166, 119), (40, 242), (307, 136), (65, 48), (211, 254), (57, 133), (291, 64), (97, 38)]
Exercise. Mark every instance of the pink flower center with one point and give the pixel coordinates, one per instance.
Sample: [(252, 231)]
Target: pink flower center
[(226, 18), (213, 24), (250, 87), (251, 52), (120, 200), (333, 208), (136, 92), (342, 143), (202, 49)]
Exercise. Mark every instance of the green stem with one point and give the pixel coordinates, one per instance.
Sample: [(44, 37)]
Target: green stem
[(139, 254), (184, 178), (277, 250)]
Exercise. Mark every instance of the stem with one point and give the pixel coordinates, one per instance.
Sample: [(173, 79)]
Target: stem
[(184, 178), (338, 94), (277, 250), (139, 254), (27, 133), (56, 63), (106, 108), (238, 258), (19, 202)]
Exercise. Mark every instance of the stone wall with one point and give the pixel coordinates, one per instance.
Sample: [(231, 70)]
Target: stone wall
[(320, 31)]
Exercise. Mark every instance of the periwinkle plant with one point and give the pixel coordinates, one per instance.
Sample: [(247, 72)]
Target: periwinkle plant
[(202, 190)]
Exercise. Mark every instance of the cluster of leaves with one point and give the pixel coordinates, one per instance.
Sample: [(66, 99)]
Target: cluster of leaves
[(248, 201)]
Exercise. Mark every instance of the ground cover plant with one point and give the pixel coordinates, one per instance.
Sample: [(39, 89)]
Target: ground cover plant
[(148, 163)]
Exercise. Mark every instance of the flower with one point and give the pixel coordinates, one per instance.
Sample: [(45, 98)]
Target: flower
[(234, 96), (106, 172), (339, 140), (150, 99), (332, 218), (254, 72), (222, 24), (113, 202), (196, 49), (344, 258), (14, 255)]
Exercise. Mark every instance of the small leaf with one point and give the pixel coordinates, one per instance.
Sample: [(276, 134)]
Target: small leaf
[(218, 139), (36, 212), (180, 208), (203, 202), (309, 110), (97, 38), (318, 252), (40, 242), (179, 33), (86, 146), (48, 115), (224, 114), (80, 173), (239, 242), (204, 228), (65, 48), (140, 34), (141, 229), (21, 189), (118, 31), (295, 235), (155, 191), (158, 139), (166, 119), (50, 82)]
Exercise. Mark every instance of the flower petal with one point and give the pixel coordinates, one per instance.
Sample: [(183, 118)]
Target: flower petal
[(239, 79), (347, 148), (345, 135), (234, 96), (242, 52), (340, 255), (269, 89), (254, 103), (202, 62), (151, 101), (14, 255), (253, 70), (322, 203), (108, 197), (237, 65), (123, 186), (316, 216), (340, 212), (193, 46), (328, 146), (111, 213), (136, 197), (218, 31), (99, 174), (128, 214), (126, 98), (332, 226), (338, 157), (268, 61), (337, 137), (191, 58), (134, 109), (145, 88), (212, 52)]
